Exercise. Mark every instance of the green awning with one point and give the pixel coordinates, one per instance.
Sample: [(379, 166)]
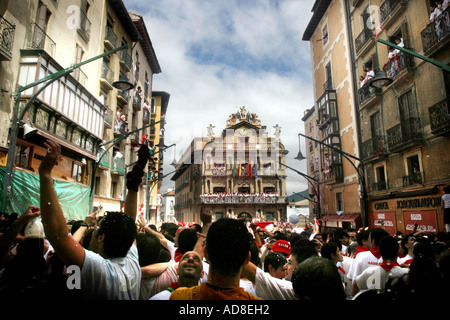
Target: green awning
[(73, 197)]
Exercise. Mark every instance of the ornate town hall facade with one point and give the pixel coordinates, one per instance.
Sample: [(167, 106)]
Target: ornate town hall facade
[(235, 174)]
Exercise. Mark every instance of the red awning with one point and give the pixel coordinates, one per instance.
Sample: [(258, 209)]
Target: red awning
[(341, 217)]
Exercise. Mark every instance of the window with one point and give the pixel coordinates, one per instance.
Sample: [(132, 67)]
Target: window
[(77, 172), (325, 35), (339, 202), (218, 215), (380, 178), (407, 106), (23, 156), (270, 216), (414, 170), (375, 124)]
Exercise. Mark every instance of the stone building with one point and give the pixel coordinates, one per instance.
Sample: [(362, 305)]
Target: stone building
[(236, 173)]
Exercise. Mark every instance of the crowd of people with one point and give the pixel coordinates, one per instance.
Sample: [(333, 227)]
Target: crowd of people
[(120, 257)]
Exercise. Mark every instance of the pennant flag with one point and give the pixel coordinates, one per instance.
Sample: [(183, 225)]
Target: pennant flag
[(239, 172), (234, 168), (249, 169), (255, 170)]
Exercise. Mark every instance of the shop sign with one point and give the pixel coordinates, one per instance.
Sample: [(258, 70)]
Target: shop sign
[(424, 220)]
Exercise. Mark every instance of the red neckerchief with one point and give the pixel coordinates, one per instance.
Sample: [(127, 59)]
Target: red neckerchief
[(178, 255), (360, 249), (342, 269), (173, 286), (388, 265), (376, 252), (408, 262)]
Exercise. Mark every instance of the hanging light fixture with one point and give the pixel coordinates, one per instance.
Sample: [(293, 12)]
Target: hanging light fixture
[(299, 156)]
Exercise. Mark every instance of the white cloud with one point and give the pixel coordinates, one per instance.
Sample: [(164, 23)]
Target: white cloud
[(271, 76)]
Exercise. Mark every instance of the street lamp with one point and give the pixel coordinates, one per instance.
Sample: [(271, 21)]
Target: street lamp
[(359, 171), (380, 80), (299, 156), (17, 119)]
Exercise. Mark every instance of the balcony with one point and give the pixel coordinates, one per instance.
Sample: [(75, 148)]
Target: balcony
[(379, 186), (123, 96), (125, 60), (40, 40), (137, 102), (440, 117), (120, 127), (228, 198), (107, 77), (80, 76), (108, 117), (413, 178), (390, 10), (110, 38), (364, 41), (404, 135), (84, 29), (399, 66), (146, 116), (368, 95), (7, 31), (436, 34), (105, 161), (374, 148), (118, 166)]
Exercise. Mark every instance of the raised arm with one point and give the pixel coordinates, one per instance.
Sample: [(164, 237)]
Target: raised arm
[(134, 179), (55, 226), (7, 238)]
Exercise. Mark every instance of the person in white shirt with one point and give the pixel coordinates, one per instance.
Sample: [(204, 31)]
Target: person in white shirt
[(109, 267), (270, 288), (407, 244), (445, 206), (376, 277), (369, 258)]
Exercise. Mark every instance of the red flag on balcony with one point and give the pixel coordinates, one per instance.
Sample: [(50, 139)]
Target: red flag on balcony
[(249, 170)]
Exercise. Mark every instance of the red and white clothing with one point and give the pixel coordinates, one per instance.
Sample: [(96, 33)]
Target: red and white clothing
[(364, 260), (405, 260), (376, 277)]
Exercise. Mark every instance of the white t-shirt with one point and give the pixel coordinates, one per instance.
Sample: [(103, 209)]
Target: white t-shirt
[(154, 285), (111, 279), (248, 286), (270, 288), (446, 199), (362, 261), (375, 278)]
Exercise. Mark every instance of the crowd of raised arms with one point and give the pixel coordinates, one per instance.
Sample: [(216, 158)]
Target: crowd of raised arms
[(119, 256)]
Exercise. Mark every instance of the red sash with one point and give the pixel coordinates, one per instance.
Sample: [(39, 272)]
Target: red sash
[(342, 269)]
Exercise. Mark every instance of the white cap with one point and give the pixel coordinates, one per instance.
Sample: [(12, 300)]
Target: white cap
[(34, 229)]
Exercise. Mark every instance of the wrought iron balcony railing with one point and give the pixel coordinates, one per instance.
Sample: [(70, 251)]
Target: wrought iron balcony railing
[(366, 92), (404, 133), (40, 40), (7, 31), (388, 7), (110, 36), (400, 62), (436, 31), (374, 147), (118, 166), (107, 74), (417, 177), (440, 117), (85, 26), (364, 37)]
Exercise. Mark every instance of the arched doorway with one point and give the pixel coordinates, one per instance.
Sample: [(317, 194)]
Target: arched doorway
[(245, 215)]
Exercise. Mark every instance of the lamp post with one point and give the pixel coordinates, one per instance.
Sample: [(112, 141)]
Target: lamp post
[(17, 119), (314, 183), (359, 171)]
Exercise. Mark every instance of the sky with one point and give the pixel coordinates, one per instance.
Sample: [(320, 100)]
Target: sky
[(217, 55)]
